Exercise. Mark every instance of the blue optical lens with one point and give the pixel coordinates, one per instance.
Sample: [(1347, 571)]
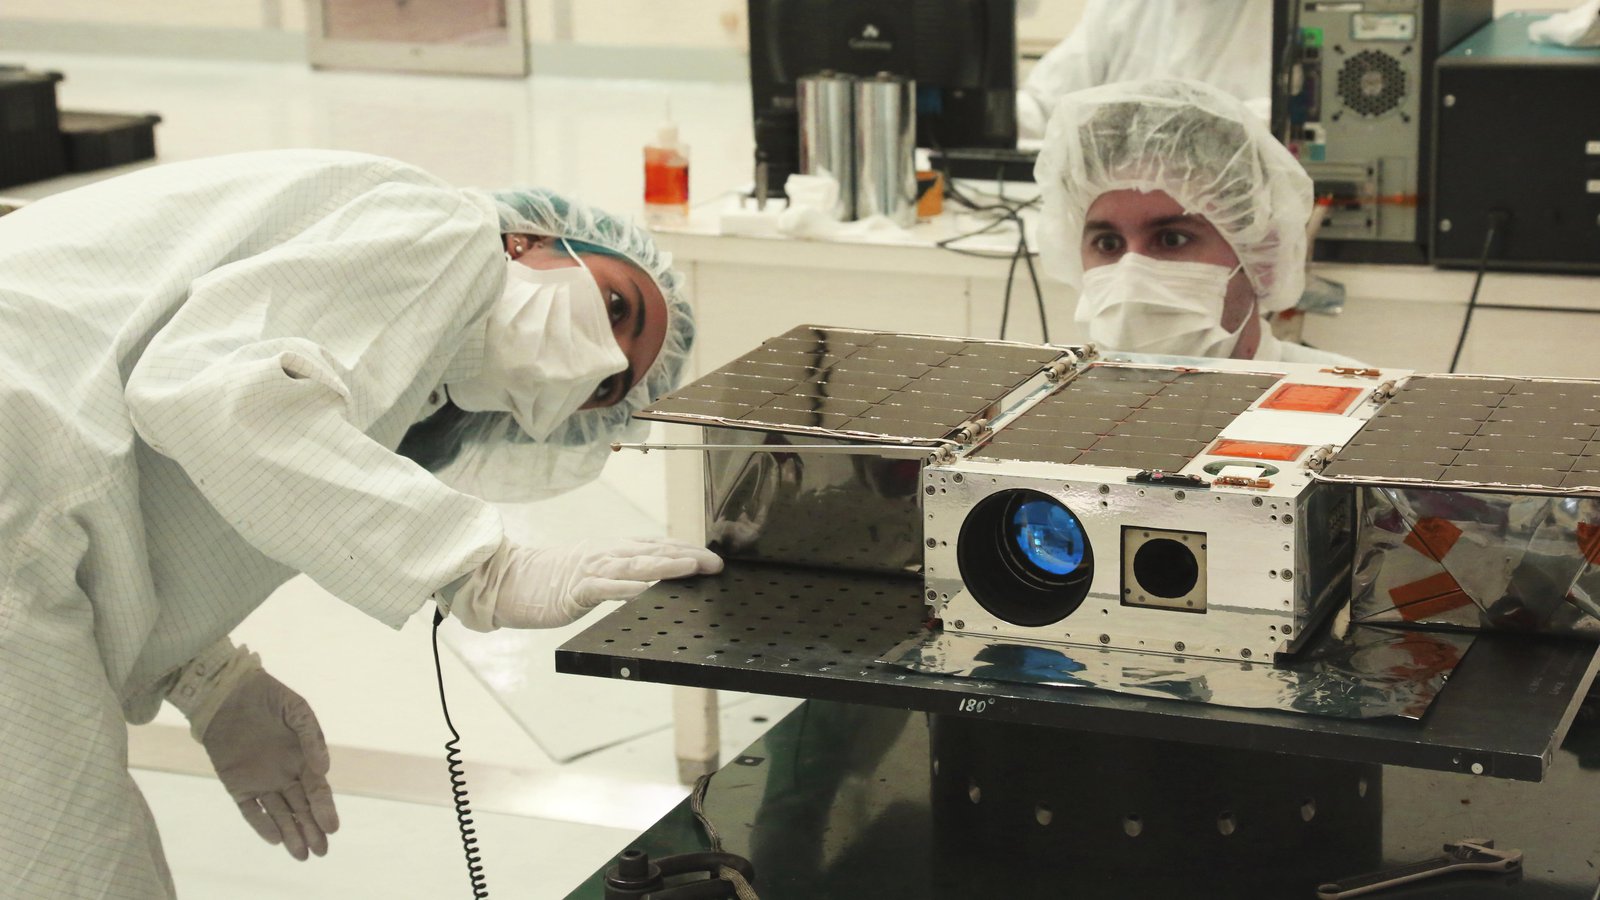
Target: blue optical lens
[(1049, 536)]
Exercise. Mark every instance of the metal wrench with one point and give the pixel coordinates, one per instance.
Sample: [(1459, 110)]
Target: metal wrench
[(1465, 855)]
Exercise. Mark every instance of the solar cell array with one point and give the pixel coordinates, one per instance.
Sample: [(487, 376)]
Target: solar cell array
[(1140, 418), (858, 383), (1481, 430)]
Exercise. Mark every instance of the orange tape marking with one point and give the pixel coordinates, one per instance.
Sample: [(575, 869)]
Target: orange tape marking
[(1258, 450), (1428, 597), (1433, 537), (1316, 398)]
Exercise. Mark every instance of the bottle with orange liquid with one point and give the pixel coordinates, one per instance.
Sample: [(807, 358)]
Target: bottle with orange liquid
[(666, 177)]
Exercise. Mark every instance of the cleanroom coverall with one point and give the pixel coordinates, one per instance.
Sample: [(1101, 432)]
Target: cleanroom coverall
[(1224, 43), (204, 369)]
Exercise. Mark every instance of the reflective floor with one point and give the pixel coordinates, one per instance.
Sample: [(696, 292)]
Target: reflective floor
[(563, 770)]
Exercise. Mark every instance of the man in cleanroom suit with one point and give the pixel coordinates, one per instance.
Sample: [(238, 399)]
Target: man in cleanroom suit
[(1178, 218), (206, 371)]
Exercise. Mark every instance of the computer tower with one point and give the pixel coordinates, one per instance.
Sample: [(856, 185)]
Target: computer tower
[(1517, 141), (1359, 78)]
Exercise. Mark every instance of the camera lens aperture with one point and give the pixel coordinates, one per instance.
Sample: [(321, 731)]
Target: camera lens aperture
[(1025, 557)]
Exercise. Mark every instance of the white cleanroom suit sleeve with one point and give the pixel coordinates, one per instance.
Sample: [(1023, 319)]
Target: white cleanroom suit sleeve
[(275, 386), (1224, 43), (1072, 65)]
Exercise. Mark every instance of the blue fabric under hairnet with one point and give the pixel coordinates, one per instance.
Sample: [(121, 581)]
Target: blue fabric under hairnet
[(488, 454)]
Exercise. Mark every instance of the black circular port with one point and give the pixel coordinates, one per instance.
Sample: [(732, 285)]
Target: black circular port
[(1166, 568), (1025, 557)]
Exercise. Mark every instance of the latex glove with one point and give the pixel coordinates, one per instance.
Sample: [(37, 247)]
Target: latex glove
[(265, 744), (522, 587)]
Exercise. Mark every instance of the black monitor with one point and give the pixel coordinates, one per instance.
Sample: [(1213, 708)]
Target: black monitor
[(962, 54)]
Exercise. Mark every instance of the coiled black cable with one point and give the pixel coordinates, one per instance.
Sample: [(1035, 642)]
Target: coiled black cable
[(458, 781)]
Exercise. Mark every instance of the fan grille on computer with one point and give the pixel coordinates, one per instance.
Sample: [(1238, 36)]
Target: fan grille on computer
[(1372, 83)]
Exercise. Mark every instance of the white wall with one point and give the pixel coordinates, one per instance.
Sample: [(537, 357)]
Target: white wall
[(232, 14), (706, 24)]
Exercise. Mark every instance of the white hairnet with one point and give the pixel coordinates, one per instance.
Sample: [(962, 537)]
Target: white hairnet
[(488, 453), (1199, 145)]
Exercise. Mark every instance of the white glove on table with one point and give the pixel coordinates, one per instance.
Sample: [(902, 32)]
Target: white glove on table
[(522, 587), (265, 744)]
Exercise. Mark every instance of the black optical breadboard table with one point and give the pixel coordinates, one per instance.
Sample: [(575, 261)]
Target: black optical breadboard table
[(800, 632)]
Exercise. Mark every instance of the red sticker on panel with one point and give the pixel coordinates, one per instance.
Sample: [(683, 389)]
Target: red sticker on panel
[(1589, 542), (1258, 450), (1432, 595), (1433, 537), (1316, 398)]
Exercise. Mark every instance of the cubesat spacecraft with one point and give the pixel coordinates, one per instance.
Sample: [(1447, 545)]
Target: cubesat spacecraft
[(1045, 494)]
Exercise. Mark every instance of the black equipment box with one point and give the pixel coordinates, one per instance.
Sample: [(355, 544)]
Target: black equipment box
[(1517, 140), (30, 143), (985, 163), (94, 140)]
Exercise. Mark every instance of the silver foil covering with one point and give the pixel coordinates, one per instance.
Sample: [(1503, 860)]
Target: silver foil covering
[(886, 146), (1480, 504), (827, 134), (1501, 561), (1372, 673), (837, 511)]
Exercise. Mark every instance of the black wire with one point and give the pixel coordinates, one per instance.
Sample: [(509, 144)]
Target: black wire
[(1011, 274), (1038, 292), (1472, 302), (1010, 212), (458, 780)]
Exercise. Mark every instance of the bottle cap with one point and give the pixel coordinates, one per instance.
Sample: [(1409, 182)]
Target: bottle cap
[(667, 135)]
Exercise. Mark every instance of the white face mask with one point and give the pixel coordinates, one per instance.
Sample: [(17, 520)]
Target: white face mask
[(547, 348), (1144, 305)]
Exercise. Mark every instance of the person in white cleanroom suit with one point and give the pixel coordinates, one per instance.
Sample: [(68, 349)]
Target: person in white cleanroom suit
[(1224, 43), (1179, 219), (206, 369)]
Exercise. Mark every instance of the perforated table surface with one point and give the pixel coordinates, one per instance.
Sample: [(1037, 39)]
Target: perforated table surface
[(800, 632)]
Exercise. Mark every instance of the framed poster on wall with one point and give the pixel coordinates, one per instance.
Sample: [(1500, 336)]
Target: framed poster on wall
[(465, 37)]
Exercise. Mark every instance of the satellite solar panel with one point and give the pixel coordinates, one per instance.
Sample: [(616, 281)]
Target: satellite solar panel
[(1131, 416), (858, 384), (1468, 430)]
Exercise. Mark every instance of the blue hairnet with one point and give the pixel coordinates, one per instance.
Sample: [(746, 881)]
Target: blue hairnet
[(487, 453)]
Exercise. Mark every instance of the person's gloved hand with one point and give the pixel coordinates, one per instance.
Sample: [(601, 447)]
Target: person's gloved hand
[(522, 587), (265, 745)]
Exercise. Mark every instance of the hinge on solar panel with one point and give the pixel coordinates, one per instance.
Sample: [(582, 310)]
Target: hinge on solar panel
[(1382, 392), (1319, 458), (970, 430), (1068, 363)]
